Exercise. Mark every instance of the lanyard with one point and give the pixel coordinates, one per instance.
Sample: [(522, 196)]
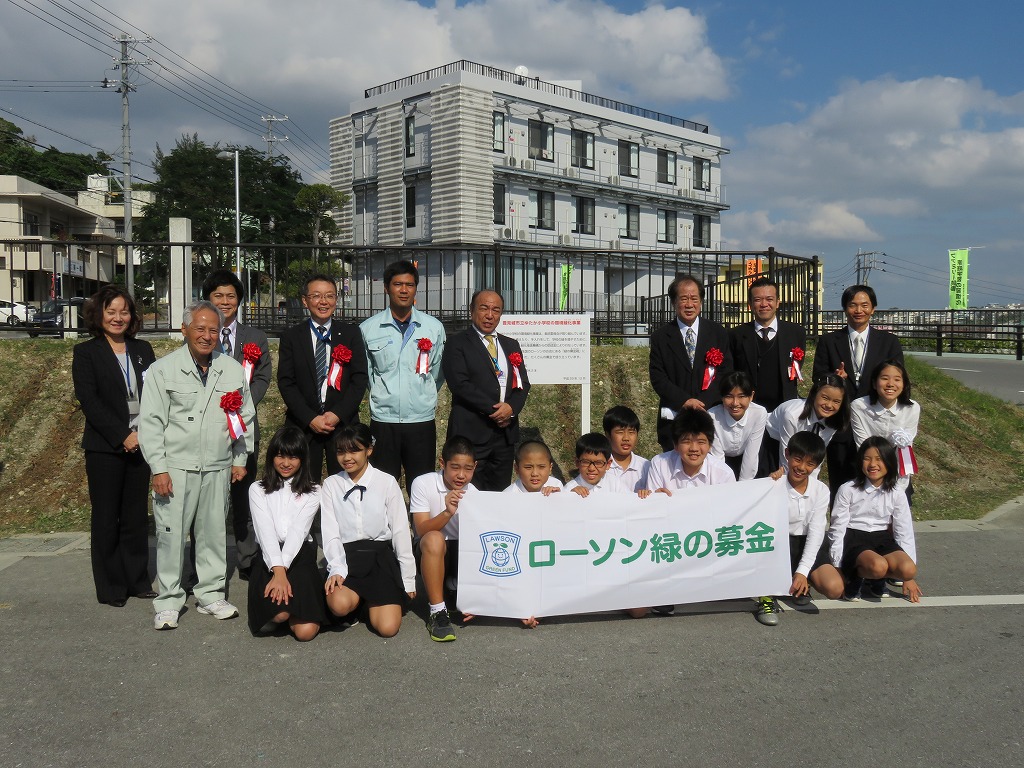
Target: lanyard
[(127, 372)]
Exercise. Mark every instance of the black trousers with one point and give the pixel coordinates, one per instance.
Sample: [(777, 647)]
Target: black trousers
[(494, 462), (842, 461), (241, 518), (409, 447), (118, 492)]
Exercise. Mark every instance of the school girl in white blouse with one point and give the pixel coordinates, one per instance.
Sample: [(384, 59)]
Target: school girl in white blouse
[(739, 425), (366, 536), (285, 585), (824, 412), (890, 413)]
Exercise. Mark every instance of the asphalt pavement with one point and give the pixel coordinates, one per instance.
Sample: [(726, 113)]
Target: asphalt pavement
[(999, 375), (836, 684)]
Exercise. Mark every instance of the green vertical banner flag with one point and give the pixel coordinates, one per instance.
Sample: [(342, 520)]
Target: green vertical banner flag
[(958, 278), (563, 296)]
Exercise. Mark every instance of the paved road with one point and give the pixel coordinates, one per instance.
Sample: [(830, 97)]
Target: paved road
[(1002, 376), (88, 685)]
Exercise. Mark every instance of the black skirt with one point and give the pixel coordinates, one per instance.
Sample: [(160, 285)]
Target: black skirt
[(796, 552), (308, 602), (856, 541), (373, 572)]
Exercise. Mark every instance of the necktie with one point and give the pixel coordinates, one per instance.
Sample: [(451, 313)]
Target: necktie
[(225, 341), (353, 489), (858, 355), (691, 344), (320, 359), (492, 350), (765, 332), (817, 427)]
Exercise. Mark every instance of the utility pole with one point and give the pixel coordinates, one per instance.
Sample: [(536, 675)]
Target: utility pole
[(865, 263), (124, 87), (270, 138)]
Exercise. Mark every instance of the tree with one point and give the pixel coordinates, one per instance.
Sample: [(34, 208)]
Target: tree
[(317, 201), (64, 172)]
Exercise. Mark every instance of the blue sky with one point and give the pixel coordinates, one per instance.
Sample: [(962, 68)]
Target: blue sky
[(895, 127)]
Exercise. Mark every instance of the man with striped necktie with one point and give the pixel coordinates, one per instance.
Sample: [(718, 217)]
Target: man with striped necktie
[(316, 403)]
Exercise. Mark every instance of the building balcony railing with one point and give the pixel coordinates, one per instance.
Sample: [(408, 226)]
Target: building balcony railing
[(537, 84), (525, 229)]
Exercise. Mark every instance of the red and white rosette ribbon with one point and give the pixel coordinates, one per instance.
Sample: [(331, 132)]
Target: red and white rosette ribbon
[(904, 453), (340, 357), (712, 360), (251, 354), (231, 404), (796, 356), (423, 358), (515, 360)]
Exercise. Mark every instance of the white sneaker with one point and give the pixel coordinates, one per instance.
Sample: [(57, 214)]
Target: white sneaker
[(221, 609), (166, 620)]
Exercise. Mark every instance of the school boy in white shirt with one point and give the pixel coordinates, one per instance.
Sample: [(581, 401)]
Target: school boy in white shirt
[(622, 426)]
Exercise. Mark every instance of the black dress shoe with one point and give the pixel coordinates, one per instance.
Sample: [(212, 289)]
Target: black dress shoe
[(116, 603), (244, 573), (147, 595)]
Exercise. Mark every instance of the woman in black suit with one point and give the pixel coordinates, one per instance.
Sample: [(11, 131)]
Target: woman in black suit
[(108, 373)]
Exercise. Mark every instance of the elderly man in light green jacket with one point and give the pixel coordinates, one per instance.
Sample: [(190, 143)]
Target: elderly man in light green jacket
[(194, 431)]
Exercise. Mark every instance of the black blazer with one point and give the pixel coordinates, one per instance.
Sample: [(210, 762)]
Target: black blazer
[(746, 351), (297, 379), (262, 373), (671, 375), (834, 348), (469, 373), (102, 391)]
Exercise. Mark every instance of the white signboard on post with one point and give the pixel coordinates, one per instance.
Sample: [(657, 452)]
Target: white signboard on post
[(525, 556), (556, 350)]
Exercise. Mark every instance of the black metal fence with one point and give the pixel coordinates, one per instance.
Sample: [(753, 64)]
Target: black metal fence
[(984, 331)]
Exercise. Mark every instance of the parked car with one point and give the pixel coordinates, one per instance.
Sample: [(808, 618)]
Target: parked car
[(49, 319), (15, 312)]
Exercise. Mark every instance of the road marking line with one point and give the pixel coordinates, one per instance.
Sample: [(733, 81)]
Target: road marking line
[(893, 600), (961, 370)]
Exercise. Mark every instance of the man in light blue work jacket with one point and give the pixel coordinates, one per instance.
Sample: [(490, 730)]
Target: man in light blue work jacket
[(186, 438), (403, 354)]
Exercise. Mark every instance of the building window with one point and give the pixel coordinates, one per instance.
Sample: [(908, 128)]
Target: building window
[(410, 136), (666, 226), (542, 141), (32, 224), (584, 221), (582, 149), (410, 206), (542, 209), (499, 203), (629, 221), (629, 158), (701, 174), (666, 167), (498, 142), (701, 231)]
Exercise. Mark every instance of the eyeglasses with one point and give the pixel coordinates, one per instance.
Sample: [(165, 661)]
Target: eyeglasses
[(584, 464), (324, 296)]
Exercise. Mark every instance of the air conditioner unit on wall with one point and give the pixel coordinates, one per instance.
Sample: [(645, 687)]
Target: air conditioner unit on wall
[(613, 179), (527, 165), (565, 239), (571, 173), (510, 161), (521, 234), (615, 244), (506, 233)]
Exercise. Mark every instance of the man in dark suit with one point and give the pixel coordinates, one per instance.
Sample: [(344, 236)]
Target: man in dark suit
[(315, 404), (763, 349), (226, 292), (852, 353), (681, 372), (488, 391)]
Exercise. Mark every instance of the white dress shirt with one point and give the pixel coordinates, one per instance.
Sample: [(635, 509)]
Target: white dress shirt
[(634, 476), (281, 521), (427, 495), (503, 369), (232, 335), (852, 334), (871, 509), (808, 516), (379, 515), (666, 471), (607, 484), (873, 419), (785, 421), (739, 438), (773, 328), (518, 487)]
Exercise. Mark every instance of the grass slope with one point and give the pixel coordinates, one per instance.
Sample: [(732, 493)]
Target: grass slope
[(969, 447)]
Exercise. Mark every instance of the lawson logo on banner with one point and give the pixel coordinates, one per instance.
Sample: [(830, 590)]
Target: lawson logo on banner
[(545, 556)]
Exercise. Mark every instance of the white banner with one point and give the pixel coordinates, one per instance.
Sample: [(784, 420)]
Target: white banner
[(556, 348), (523, 556)]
